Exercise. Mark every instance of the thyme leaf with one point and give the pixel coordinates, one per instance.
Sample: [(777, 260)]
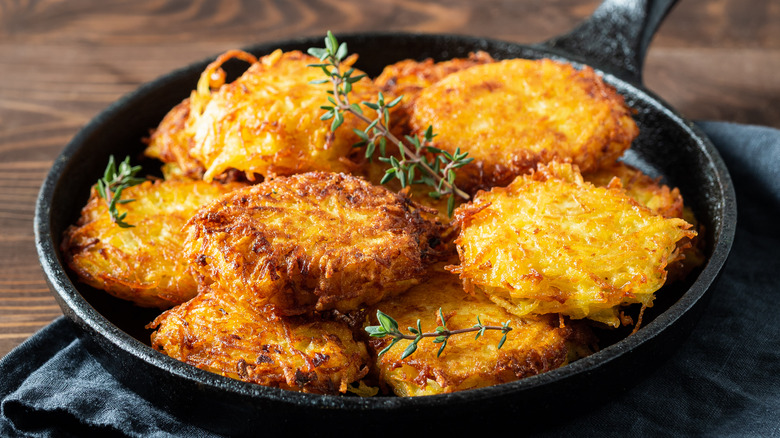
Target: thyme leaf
[(419, 162), (115, 180), (389, 327)]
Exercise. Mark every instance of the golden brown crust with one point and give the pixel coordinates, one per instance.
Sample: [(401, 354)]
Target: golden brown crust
[(226, 333), (553, 243), (142, 264), (535, 344), (313, 241), (265, 123), (511, 115)]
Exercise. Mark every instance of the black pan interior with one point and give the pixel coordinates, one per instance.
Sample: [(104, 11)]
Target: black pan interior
[(668, 147)]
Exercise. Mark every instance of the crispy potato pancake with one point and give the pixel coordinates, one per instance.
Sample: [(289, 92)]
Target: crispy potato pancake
[(409, 77), (553, 243), (512, 114), (266, 122), (313, 241), (142, 264), (534, 345), (226, 333)]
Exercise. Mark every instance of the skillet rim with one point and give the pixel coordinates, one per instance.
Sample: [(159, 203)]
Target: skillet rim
[(99, 328)]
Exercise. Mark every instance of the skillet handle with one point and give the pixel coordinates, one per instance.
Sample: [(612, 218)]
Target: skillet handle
[(616, 37)]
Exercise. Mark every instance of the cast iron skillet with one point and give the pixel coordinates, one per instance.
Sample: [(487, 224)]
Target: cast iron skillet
[(613, 41)]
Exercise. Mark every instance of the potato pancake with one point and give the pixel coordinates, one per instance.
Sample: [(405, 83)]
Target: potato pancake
[(313, 241), (142, 264), (226, 333), (534, 345), (553, 243), (266, 122), (512, 114)]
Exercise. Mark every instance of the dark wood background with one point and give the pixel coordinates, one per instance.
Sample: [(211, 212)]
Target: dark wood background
[(62, 62)]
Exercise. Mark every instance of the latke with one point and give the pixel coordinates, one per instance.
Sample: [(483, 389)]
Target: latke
[(265, 123), (534, 345), (552, 243), (225, 333), (142, 264), (313, 241), (513, 114)]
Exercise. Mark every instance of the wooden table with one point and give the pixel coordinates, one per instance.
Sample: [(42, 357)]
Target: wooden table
[(62, 62)]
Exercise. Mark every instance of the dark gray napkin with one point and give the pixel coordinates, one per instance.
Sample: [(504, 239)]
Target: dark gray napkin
[(723, 381), (51, 386)]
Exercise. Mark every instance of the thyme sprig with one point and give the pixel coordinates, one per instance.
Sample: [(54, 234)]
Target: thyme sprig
[(418, 161), (389, 327), (114, 181)]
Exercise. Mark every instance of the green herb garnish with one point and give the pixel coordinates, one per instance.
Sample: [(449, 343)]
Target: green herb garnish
[(114, 181), (389, 327), (419, 161)]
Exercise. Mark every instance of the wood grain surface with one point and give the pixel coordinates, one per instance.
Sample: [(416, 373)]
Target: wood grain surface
[(62, 62)]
